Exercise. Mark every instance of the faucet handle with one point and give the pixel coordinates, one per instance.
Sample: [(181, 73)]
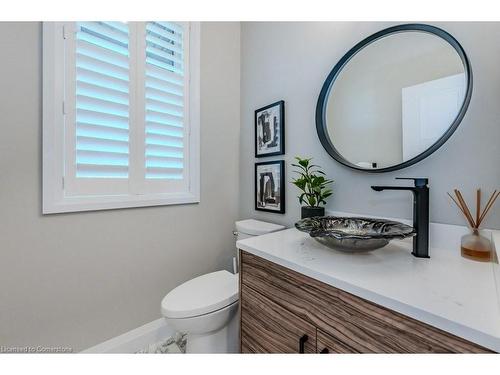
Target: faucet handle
[(419, 181)]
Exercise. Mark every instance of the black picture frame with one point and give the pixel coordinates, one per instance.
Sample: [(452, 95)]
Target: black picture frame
[(277, 133), (260, 201), (321, 125)]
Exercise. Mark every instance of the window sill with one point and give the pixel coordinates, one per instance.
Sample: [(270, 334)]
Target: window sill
[(111, 202)]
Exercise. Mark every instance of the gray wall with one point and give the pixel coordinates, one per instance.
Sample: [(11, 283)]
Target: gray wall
[(78, 279), (290, 61)]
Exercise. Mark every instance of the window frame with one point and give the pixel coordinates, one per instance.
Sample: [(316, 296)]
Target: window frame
[(56, 198)]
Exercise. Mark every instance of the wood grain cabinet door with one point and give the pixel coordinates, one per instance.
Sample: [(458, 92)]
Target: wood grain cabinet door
[(268, 328), (326, 344)]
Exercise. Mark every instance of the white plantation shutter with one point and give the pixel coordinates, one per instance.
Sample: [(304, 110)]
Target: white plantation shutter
[(164, 101), (128, 132), (102, 100)]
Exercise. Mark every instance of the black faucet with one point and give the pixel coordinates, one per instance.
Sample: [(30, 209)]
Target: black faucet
[(420, 213)]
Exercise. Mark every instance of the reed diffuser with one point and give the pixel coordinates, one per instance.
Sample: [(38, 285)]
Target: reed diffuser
[(474, 245)]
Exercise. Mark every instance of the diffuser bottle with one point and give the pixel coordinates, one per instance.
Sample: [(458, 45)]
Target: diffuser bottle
[(475, 246)]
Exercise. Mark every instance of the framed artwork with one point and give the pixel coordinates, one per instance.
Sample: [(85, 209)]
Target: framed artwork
[(270, 186), (270, 130)]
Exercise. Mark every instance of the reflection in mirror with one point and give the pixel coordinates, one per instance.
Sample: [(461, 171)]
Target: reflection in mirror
[(394, 99)]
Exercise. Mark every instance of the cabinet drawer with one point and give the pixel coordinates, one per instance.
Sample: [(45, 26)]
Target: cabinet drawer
[(326, 344), (362, 326), (268, 328)]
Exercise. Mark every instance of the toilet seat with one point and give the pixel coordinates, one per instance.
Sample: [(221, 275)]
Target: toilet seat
[(201, 295)]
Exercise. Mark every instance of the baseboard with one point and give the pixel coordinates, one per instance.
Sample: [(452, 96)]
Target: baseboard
[(135, 340)]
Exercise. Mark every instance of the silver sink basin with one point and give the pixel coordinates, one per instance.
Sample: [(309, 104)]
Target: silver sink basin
[(353, 234)]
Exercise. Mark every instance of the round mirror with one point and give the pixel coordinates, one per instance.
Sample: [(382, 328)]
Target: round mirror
[(394, 98)]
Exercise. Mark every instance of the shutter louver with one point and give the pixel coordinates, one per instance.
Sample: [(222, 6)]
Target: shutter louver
[(102, 100), (164, 101)]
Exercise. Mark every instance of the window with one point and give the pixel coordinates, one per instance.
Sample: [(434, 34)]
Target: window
[(121, 115)]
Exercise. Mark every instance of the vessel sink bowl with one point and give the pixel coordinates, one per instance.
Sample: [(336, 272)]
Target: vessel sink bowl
[(353, 234)]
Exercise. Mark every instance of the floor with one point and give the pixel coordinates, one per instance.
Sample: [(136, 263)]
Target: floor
[(173, 345)]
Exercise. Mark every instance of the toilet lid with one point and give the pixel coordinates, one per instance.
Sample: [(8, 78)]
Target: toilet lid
[(257, 227), (201, 295)]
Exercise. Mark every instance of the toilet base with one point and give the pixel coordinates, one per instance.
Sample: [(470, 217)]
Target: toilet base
[(224, 340)]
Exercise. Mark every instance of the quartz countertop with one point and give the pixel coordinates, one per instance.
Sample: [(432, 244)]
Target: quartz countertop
[(447, 291)]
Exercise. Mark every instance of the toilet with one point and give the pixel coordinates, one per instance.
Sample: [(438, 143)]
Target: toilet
[(206, 307)]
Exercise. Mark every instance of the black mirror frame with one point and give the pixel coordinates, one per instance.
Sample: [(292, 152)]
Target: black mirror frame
[(321, 126)]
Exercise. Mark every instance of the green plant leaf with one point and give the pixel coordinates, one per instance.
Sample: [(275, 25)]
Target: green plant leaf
[(300, 183), (318, 181), (300, 173), (304, 162), (312, 201), (301, 198)]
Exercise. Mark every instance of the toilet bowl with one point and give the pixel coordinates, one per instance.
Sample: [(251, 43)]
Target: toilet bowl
[(206, 307)]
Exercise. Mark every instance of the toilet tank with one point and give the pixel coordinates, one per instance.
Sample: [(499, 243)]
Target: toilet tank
[(250, 228)]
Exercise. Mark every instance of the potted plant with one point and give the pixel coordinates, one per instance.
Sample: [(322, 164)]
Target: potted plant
[(314, 187)]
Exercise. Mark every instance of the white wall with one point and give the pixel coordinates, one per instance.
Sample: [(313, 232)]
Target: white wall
[(78, 279), (290, 61)]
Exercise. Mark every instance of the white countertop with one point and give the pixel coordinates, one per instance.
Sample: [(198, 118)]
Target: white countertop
[(449, 292)]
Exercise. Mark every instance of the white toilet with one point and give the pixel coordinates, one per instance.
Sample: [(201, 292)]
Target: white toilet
[(206, 307)]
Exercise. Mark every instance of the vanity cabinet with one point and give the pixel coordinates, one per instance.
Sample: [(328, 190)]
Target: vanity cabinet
[(283, 311), (269, 328)]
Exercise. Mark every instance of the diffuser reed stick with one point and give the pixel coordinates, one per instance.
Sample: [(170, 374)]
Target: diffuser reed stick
[(475, 246), (489, 205), (480, 216)]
